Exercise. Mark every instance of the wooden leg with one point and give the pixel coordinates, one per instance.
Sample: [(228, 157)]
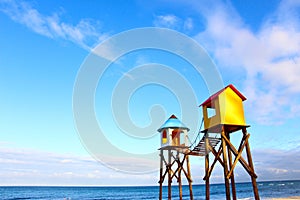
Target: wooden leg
[(169, 176), (189, 177), (179, 176), (249, 157), (207, 192), (161, 175), (227, 186), (233, 189)]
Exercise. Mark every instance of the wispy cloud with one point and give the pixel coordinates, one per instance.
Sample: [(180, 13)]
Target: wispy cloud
[(173, 22), (269, 164), (277, 164), (86, 33), (167, 21), (31, 167), (269, 58)]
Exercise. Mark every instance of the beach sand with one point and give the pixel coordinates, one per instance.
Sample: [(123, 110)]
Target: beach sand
[(287, 198)]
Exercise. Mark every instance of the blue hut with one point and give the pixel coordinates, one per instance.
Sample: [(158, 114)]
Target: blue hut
[(174, 133)]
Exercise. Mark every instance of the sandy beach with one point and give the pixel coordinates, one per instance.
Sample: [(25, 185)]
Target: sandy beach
[(286, 198)]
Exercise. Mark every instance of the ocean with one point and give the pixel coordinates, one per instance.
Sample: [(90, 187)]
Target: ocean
[(267, 190)]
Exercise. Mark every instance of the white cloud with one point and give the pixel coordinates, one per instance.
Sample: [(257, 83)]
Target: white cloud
[(42, 168), (188, 24), (277, 171), (167, 21), (85, 33), (31, 167), (173, 22), (67, 161), (269, 57), (269, 164), (272, 164)]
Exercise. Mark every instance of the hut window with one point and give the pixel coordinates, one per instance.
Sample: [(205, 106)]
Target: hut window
[(211, 112), (182, 138), (176, 137), (164, 136)]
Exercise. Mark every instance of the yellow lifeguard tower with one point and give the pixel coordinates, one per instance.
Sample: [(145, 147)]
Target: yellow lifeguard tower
[(173, 155), (223, 114)]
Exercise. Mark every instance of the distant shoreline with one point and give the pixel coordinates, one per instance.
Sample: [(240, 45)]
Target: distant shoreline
[(281, 190), (286, 198), (198, 184), (121, 186)]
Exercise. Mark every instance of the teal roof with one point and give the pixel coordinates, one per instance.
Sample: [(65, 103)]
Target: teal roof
[(173, 122)]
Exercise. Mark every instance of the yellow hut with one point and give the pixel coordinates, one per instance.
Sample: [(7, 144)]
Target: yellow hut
[(224, 108), (223, 114)]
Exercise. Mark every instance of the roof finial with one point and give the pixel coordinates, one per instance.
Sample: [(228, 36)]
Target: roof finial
[(173, 117)]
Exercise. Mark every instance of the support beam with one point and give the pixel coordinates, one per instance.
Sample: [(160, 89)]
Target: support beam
[(169, 175), (253, 178), (207, 191), (240, 151), (172, 163), (216, 154), (161, 174), (227, 186), (228, 162), (241, 160), (189, 177), (233, 189), (179, 167), (217, 157)]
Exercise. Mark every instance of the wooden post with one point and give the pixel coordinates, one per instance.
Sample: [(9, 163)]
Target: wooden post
[(179, 176), (189, 177), (169, 175), (233, 189), (161, 175), (207, 192), (249, 157), (168, 168), (227, 186)]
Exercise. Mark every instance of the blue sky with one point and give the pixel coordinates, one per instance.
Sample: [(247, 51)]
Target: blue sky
[(255, 45)]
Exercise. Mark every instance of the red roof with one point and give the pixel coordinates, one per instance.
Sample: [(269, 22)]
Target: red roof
[(212, 97)]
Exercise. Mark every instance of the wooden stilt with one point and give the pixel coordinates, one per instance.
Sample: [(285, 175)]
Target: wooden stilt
[(227, 186), (241, 159), (207, 191), (233, 189), (217, 158), (174, 167), (189, 177), (161, 175), (253, 178), (239, 155), (169, 175), (179, 176)]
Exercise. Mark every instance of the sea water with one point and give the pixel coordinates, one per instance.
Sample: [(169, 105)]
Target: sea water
[(267, 190)]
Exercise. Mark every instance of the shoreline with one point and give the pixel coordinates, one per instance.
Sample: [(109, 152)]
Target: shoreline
[(286, 198)]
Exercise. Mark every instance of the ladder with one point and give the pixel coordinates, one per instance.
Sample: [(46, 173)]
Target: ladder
[(198, 148)]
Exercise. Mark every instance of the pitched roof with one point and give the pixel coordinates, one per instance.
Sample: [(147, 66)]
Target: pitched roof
[(212, 97), (173, 122)]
